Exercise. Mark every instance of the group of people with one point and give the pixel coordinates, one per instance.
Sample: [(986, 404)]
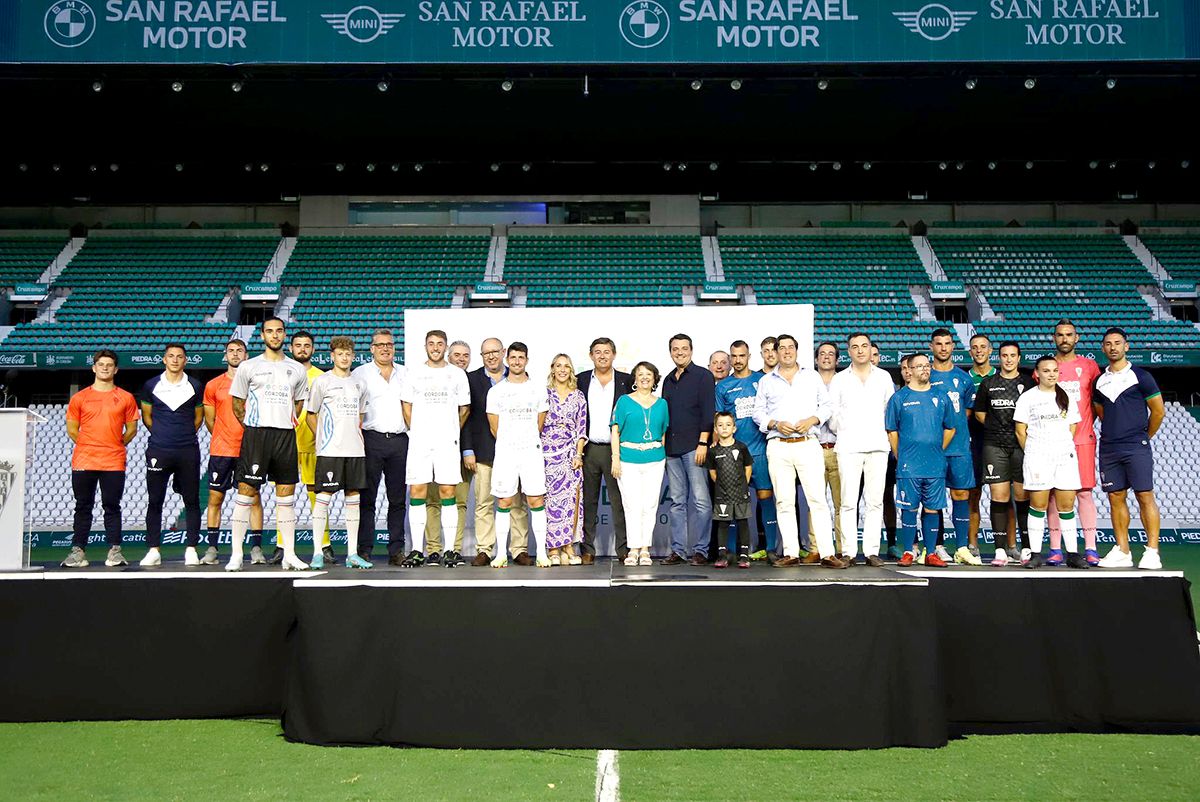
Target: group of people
[(539, 451)]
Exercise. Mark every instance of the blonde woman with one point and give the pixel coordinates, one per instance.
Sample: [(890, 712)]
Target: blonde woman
[(639, 422), (563, 439)]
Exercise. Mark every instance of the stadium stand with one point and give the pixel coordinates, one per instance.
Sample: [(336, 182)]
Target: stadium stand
[(1179, 254), (857, 282), (1032, 280), (135, 293), (591, 270), (22, 260), (355, 284)]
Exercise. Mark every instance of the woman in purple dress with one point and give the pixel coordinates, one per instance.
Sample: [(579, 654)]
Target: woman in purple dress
[(563, 439)]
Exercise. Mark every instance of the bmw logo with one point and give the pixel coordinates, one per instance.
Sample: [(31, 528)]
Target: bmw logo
[(645, 24), (70, 23)]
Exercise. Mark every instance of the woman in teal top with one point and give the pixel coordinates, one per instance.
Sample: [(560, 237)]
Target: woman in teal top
[(639, 424)]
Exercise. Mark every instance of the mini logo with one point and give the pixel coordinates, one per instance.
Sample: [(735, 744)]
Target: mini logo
[(69, 23), (645, 24), (935, 21), (362, 23)]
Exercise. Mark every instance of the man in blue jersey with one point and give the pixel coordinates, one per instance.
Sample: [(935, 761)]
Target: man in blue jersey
[(172, 409), (959, 389), (735, 395), (1130, 408), (920, 425)]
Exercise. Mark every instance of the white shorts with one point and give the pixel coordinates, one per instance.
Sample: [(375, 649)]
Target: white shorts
[(1051, 472), (438, 463), (525, 468)]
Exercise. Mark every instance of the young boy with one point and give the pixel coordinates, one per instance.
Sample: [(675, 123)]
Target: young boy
[(729, 465)]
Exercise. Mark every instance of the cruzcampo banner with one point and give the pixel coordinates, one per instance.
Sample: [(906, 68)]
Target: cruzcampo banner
[(595, 31)]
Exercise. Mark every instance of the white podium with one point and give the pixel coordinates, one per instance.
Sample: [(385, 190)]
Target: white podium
[(16, 447)]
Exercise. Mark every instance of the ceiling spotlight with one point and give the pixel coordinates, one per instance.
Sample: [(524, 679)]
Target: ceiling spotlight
[(1111, 83), (942, 165), (1030, 83), (822, 84), (370, 167), (418, 167), (24, 168), (1152, 165), (1185, 164), (54, 168), (97, 86), (971, 83), (1028, 165), (177, 86), (395, 167), (1093, 164), (696, 84), (382, 86), (667, 166), (713, 166), (1112, 165), (812, 166), (959, 165), (837, 165), (112, 168), (495, 167), (237, 86), (339, 167), (179, 167), (506, 86), (264, 167), (248, 167), (866, 165), (526, 167), (92, 168), (991, 165), (735, 84), (682, 166)]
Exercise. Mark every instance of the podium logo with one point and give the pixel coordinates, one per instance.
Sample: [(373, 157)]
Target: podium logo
[(645, 24), (362, 23), (69, 23), (935, 21)]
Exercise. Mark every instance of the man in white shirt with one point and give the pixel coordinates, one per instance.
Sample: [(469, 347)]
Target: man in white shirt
[(825, 360), (791, 402), (459, 355), (859, 396), (385, 441), (435, 399), (516, 410)]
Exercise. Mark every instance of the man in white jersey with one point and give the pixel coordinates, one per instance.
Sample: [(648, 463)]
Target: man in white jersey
[(336, 403), (516, 410), (436, 400), (268, 393)]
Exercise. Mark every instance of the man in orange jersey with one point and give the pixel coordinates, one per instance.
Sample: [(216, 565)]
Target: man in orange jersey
[(223, 451), (101, 421)]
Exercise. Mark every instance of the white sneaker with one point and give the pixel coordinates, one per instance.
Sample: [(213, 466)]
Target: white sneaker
[(1117, 559), (293, 563), (1025, 555), (153, 558), (256, 556), (966, 557), (945, 555), (190, 557), (210, 556), (235, 563), (1150, 560)]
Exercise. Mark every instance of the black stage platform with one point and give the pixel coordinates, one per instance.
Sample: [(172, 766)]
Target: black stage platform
[(607, 656)]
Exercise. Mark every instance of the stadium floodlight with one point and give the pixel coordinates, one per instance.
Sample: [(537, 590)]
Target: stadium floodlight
[(248, 167), (418, 167), (495, 167), (1028, 165), (54, 168), (942, 165), (506, 85), (1030, 83), (735, 84), (112, 168), (383, 85), (1185, 164), (23, 167), (339, 167), (526, 167), (237, 86), (822, 84), (1111, 83), (395, 167), (179, 167), (1112, 165), (812, 166), (682, 166), (918, 196), (837, 165), (1151, 165), (971, 83), (959, 165), (991, 165), (667, 166), (866, 165), (92, 168), (1093, 164), (713, 166), (264, 167), (370, 167), (176, 86), (697, 84), (97, 86)]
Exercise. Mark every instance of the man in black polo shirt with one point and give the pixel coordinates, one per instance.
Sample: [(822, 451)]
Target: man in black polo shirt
[(690, 393)]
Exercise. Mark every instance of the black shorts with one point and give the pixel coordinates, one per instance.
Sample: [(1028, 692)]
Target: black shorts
[(340, 473), (268, 454), (221, 473), (1002, 464)]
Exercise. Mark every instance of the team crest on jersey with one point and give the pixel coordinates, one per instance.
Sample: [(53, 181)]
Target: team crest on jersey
[(254, 468), (215, 476), (329, 475), (990, 470), (154, 462), (735, 453), (1078, 372), (1020, 388), (935, 401)]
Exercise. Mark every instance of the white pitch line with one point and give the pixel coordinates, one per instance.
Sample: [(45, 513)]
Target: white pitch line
[(608, 777)]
